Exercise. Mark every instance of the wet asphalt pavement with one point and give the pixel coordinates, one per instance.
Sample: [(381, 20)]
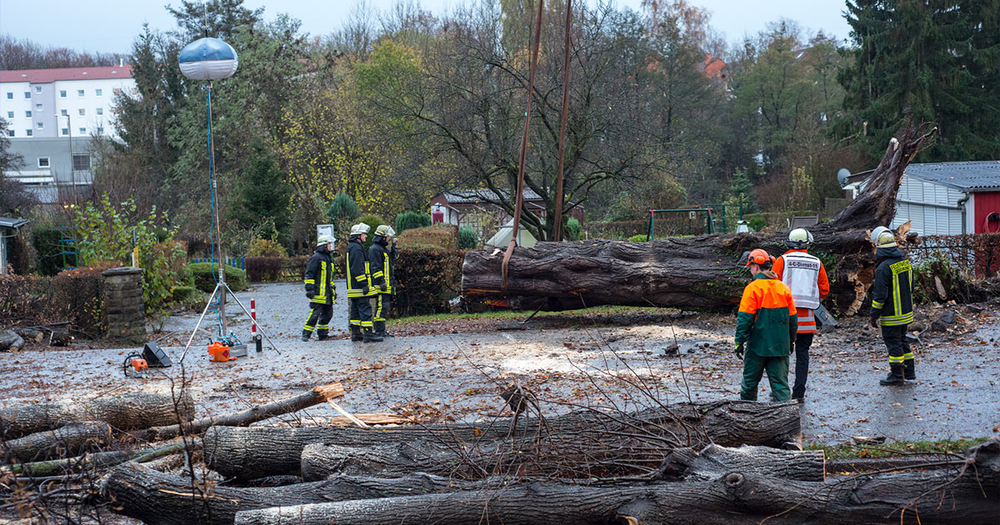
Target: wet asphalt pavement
[(457, 376)]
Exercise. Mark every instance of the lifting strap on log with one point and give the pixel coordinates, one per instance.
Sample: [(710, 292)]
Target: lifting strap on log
[(524, 152), (562, 128)]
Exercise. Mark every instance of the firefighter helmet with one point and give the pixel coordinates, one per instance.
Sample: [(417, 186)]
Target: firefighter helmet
[(324, 240), (799, 239), (883, 237), (385, 230), (360, 228)]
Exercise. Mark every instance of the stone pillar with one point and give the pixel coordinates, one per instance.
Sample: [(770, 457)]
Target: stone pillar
[(123, 304)]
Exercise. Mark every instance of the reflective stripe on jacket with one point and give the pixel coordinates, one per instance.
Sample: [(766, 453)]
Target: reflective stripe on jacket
[(319, 278), (767, 320), (891, 293), (358, 276)]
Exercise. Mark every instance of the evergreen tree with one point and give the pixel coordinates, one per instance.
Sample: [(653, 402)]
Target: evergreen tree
[(930, 60), (262, 192)]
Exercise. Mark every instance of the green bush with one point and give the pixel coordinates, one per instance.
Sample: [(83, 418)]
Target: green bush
[(573, 229), (411, 219), (756, 223), (266, 248), (206, 274), (639, 238), (467, 238), (343, 208), (185, 294)]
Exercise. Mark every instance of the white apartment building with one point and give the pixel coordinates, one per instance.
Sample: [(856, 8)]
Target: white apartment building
[(51, 115)]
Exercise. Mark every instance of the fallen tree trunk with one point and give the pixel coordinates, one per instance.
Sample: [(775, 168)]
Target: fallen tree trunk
[(165, 499), (689, 272), (235, 452), (320, 461), (965, 496), (98, 460), (123, 412), (63, 441), (315, 396)]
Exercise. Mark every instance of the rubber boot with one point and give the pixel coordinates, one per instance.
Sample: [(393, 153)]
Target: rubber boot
[(306, 334), (322, 335), (895, 376), (370, 336), (356, 333), (908, 371)]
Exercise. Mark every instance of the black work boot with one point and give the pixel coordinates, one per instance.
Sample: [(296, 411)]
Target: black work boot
[(322, 335), (370, 336), (380, 329), (908, 372), (356, 333), (895, 376), (306, 334)]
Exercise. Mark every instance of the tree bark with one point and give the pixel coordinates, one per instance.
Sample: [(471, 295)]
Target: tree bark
[(165, 499), (96, 461), (315, 396), (64, 441), (320, 461), (966, 496), (699, 272), (123, 412), (235, 452)]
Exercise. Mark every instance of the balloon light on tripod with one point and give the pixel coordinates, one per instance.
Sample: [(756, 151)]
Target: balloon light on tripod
[(208, 59)]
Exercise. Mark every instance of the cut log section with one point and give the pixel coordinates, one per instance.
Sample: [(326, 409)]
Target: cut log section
[(123, 412), (64, 441), (965, 496), (690, 272), (315, 396), (164, 499), (235, 452)]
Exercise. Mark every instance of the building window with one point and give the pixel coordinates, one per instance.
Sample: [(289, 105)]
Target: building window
[(27, 133), (65, 131), (83, 131), (10, 114), (38, 89), (81, 162), (10, 133), (39, 107), (83, 112), (43, 162), (100, 130), (10, 95), (100, 111), (63, 112), (27, 94), (40, 125), (79, 92), (99, 92), (62, 93), (27, 114)]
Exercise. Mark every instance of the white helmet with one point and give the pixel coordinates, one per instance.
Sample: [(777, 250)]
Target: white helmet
[(385, 230), (360, 228), (324, 240), (799, 239), (883, 237)]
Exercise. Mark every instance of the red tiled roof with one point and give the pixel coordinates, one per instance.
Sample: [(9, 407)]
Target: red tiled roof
[(42, 76), (713, 66)]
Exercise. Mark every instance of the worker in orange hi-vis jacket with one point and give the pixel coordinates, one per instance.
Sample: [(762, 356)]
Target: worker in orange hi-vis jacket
[(805, 276)]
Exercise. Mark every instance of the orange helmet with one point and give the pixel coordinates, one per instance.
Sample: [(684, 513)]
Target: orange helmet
[(759, 257)]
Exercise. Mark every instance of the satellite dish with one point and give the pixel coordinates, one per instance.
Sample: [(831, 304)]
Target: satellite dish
[(842, 175), (208, 59)]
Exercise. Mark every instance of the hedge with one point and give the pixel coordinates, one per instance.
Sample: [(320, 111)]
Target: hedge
[(71, 295), (206, 274), (427, 278)]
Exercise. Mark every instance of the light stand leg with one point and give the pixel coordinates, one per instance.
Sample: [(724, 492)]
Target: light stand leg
[(259, 327), (200, 319)]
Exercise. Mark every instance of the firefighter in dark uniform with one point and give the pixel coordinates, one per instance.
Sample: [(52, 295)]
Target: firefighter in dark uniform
[(382, 257), (320, 290), (359, 285), (892, 305)]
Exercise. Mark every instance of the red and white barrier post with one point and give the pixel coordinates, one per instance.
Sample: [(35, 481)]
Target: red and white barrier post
[(253, 327)]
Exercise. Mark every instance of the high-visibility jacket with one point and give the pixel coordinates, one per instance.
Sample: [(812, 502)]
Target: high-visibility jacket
[(359, 280), (319, 278), (892, 302), (805, 276), (382, 260), (767, 317)]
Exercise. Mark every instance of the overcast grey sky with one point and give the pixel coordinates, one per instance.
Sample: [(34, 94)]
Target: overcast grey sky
[(110, 26)]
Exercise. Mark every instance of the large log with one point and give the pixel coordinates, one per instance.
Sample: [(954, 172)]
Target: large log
[(965, 496), (312, 397), (320, 461), (166, 499), (64, 441), (697, 272), (124, 412), (235, 451)]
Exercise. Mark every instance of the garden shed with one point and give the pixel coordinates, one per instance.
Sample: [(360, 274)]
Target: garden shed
[(8, 229), (950, 198)]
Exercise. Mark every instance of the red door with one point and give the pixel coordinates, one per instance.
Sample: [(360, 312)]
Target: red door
[(987, 220)]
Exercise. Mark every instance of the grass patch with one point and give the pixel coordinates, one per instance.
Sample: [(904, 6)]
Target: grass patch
[(901, 448), (596, 311)]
